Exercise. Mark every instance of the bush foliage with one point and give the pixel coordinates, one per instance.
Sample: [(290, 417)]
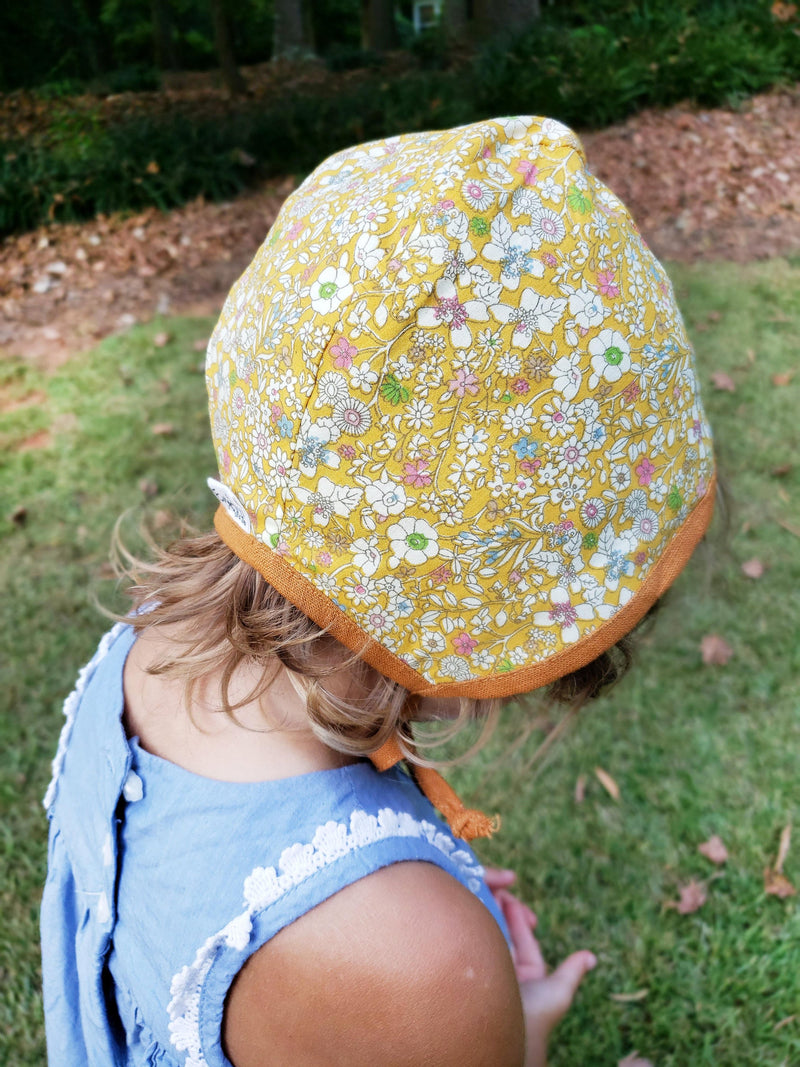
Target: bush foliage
[(586, 72)]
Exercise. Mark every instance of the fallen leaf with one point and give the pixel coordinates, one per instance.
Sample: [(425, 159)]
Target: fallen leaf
[(783, 847), (783, 379), (784, 1022), (152, 167), (715, 650), (693, 895), (162, 429), (147, 487), (789, 527), (753, 568), (777, 884), (713, 849), (580, 789), (781, 470), (633, 1059), (721, 380), (162, 338), (19, 516), (751, 355), (607, 782), (629, 998)]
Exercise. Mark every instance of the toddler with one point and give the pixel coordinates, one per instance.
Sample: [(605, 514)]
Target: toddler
[(461, 453)]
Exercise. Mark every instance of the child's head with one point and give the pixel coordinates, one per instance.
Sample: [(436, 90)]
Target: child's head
[(456, 414)]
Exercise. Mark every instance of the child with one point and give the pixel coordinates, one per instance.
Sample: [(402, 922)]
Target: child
[(461, 453)]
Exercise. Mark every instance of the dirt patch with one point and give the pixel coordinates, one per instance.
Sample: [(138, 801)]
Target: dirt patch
[(718, 184)]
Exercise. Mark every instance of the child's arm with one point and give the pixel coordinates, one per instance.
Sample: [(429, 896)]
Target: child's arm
[(401, 968)]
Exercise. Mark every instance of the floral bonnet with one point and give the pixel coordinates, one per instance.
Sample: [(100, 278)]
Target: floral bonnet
[(456, 412)]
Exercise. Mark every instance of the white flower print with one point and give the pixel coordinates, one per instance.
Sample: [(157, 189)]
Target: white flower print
[(571, 456), (366, 554), (450, 312), (611, 556), (352, 416), (385, 496), (508, 364), (363, 377), (477, 194), (331, 388), (549, 189), (331, 288), (368, 253), (620, 477), (593, 511), (328, 500), (568, 375), (535, 313), (518, 418), (587, 307), (568, 491), (412, 540), (419, 414), (610, 357), (564, 613), (645, 525), (472, 441), (282, 470), (558, 419), (512, 250), (548, 225)]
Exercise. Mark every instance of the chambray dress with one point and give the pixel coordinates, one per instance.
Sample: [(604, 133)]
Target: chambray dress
[(161, 883)]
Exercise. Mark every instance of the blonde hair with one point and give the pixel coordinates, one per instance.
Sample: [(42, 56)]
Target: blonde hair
[(227, 614)]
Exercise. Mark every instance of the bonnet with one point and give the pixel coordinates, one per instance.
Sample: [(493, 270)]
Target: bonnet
[(455, 410)]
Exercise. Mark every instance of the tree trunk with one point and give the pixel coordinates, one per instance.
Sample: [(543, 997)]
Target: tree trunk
[(223, 43), (162, 36), (378, 32), (455, 20), (292, 30), (496, 16)]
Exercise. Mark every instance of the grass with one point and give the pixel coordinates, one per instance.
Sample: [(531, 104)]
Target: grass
[(696, 750)]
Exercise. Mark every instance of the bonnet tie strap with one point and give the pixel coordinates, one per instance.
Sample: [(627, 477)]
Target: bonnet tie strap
[(466, 823)]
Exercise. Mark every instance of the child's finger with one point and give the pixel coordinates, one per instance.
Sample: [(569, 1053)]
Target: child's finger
[(528, 957), (496, 878)]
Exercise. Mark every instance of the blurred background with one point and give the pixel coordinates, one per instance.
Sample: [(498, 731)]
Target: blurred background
[(145, 149)]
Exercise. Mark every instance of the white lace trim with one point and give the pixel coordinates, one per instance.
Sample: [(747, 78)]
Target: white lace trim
[(71, 706), (266, 885)]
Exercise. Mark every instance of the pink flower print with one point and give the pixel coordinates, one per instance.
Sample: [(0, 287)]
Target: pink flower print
[(520, 386), (530, 170), (645, 470), (441, 576), (549, 259), (631, 392), (226, 461), (530, 465), (275, 412), (294, 231), (515, 577), (346, 451), (464, 644), (606, 283), (344, 353), (463, 383), (324, 559), (640, 559), (416, 474)]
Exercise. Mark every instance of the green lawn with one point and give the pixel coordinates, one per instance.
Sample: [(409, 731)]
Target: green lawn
[(695, 749)]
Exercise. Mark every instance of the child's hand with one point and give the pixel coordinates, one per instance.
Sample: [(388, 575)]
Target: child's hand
[(545, 997)]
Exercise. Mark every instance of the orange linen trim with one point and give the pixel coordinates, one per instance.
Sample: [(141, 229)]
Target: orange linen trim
[(300, 591), (467, 823)]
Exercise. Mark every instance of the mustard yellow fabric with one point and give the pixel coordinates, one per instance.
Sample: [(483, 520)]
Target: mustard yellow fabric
[(454, 393)]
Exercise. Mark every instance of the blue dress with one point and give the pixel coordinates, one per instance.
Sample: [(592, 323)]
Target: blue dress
[(162, 883)]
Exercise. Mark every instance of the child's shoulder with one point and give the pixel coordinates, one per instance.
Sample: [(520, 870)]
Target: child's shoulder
[(405, 966)]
